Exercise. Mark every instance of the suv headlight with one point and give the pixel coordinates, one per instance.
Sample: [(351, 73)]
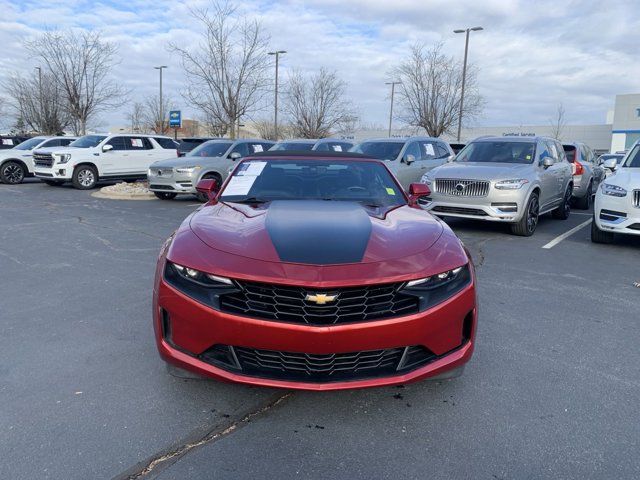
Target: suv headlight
[(511, 184), (438, 288), (427, 178), (62, 157), (613, 190), (187, 170)]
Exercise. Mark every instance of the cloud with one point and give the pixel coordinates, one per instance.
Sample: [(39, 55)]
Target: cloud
[(530, 57)]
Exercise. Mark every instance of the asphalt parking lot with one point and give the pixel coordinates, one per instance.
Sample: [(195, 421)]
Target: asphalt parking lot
[(552, 391)]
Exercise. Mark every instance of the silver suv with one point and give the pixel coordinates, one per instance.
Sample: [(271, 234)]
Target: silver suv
[(407, 158), (212, 159), (504, 179)]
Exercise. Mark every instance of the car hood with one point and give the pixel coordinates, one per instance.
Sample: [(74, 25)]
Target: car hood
[(315, 232), (70, 150), (481, 170), (185, 162), (625, 177)]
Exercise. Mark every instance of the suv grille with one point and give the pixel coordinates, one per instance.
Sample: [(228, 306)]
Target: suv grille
[(43, 159), (636, 198), (290, 304), (460, 211), (331, 367), (462, 188)]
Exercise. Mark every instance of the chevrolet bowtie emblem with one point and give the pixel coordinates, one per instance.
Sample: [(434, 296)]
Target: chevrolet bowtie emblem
[(320, 298)]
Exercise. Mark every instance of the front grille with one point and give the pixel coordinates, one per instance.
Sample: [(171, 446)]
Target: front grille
[(636, 198), (162, 172), (331, 367), (290, 304), (460, 211), (43, 159), (462, 188)]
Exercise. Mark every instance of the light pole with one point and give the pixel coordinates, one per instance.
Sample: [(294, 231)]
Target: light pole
[(464, 70), (161, 67), (393, 89), (277, 53)]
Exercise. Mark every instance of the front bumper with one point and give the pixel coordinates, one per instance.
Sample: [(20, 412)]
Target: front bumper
[(169, 181), (447, 330), (498, 206), (617, 214), (56, 172)]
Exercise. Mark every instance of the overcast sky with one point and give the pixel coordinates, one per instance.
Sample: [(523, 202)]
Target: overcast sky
[(531, 56)]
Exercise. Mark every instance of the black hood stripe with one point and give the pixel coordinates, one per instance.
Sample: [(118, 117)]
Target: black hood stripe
[(318, 232)]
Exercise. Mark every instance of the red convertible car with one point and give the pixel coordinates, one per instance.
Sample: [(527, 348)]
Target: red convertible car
[(314, 271)]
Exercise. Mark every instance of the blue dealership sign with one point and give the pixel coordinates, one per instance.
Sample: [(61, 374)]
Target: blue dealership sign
[(175, 118)]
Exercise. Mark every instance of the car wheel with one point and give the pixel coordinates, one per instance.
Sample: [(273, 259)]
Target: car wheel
[(165, 195), (85, 177), (53, 183), (529, 221), (564, 209), (585, 202), (12, 173), (599, 236)]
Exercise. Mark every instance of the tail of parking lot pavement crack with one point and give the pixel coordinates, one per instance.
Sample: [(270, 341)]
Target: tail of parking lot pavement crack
[(164, 459)]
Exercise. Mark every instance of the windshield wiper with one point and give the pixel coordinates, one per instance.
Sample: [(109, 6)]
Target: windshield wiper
[(251, 200)]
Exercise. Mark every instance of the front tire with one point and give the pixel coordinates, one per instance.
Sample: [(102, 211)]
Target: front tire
[(85, 177), (585, 202), (564, 209), (165, 195), (529, 221), (599, 236), (12, 173)]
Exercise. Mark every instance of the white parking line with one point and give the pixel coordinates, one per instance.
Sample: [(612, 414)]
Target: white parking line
[(565, 235)]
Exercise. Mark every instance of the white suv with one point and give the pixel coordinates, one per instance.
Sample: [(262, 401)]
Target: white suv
[(617, 204), (102, 157), (17, 162)]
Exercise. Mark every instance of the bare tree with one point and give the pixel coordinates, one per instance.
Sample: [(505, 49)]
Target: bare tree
[(154, 117), (80, 64), (227, 71), (558, 123), (316, 105), (430, 92), (39, 102), (265, 128), (212, 127), (136, 118)]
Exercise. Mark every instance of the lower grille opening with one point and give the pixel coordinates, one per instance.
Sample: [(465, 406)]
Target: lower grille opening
[(611, 215), (306, 367), (635, 226), (467, 327), (510, 207), (161, 187), (460, 211)]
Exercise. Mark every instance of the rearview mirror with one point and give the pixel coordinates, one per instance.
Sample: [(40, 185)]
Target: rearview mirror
[(235, 156), (409, 159), (107, 148), (548, 162), (610, 164), (417, 191), (208, 187)]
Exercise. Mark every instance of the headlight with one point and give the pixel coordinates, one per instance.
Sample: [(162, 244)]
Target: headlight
[(613, 190), (511, 184), (63, 157), (427, 178), (149, 173), (438, 288), (202, 287), (187, 169)]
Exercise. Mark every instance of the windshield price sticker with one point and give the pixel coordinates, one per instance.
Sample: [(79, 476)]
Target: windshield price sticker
[(7, 141), (251, 169), (136, 142), (245, 177), (257, 148)]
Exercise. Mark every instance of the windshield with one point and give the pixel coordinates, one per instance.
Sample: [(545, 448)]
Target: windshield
[(210, 149), (88, 141), (632, 160), (29, 144), (285, 179), (498, 152), (381, 150), (293, 146)]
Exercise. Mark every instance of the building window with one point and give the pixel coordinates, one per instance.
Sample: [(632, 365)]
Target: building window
[(638, 112)]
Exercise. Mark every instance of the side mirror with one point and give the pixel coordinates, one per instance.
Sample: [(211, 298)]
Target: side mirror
[(409, 159), (417, 191), (610, 164), (208, 187), (548, 162), (451, 158), (234, 156), (107, 148)]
